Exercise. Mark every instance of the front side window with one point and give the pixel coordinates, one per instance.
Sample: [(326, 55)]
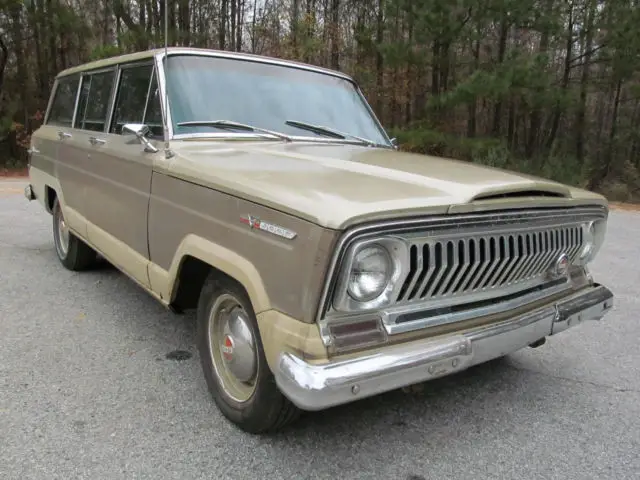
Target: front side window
[(64, 101), (138, 100), (94, 101), (131, 98), (204, 88)]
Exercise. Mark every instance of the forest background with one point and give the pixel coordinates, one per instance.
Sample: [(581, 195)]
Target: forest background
[(547, 87)]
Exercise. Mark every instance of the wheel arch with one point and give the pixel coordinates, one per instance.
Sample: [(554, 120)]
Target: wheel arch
[(50, 196), (196, 257)]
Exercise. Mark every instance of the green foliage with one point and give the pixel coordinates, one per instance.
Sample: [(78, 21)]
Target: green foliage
[(104, 51), (431, 142), (490, 152)]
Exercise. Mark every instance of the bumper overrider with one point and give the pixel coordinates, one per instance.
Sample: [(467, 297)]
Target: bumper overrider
[(318, 386)]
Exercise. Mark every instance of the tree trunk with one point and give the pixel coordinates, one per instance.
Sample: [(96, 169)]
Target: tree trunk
[(584, 82), (472, 119), (557, 111), (335, 34), (502, 47), (21, 67), (602, 172), (239, 24), (534, 129), (233, 18), (380, 59), (222, 34), (4, 56)]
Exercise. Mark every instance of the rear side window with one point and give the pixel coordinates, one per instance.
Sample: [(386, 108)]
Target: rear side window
[(132, 96), (94, 99), (64, 101)]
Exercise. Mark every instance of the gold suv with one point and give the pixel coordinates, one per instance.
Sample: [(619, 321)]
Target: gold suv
[(325, 265)]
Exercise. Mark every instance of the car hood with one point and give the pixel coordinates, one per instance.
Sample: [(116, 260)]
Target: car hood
[(337, 185)]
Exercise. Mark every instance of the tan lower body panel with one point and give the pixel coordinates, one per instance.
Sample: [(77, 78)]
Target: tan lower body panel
[(281, 333)]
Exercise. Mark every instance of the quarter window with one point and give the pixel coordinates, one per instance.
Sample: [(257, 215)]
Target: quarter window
[(64, 101), (153, 113), (94, 101)]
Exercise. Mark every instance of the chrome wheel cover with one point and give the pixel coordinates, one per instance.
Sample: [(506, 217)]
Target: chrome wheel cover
[(232, 347), (62, 234)]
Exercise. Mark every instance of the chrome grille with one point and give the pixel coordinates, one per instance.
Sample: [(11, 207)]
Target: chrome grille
[(463, 263)]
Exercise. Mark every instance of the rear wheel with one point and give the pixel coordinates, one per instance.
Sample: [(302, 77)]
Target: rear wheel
[(233, 360), (72, 252)]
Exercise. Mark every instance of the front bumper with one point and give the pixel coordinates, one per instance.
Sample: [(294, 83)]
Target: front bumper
[(315, 387)]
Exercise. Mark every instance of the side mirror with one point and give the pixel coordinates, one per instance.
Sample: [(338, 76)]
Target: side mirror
[(394, 142), (140, 130)]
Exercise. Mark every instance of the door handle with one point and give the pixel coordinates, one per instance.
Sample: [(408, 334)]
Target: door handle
[(33, 150), (96, 141), (62, 135)]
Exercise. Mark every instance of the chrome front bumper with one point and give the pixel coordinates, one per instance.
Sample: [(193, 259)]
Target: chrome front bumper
[(318, 386)]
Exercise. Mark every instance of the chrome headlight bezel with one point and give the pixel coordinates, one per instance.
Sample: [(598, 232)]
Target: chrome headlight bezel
[(398, 254), (593, 233)]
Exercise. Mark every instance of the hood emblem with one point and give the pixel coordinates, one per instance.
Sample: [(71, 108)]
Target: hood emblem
[(255, 222)]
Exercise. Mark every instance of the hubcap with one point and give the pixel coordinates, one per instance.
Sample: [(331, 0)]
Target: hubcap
[(232, 348), (63, 234)]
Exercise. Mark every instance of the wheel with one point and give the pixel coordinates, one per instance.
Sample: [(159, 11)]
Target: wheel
[(72, 252), (233, 360)]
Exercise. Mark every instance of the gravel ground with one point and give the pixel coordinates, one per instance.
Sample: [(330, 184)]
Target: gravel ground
[(89, 388)]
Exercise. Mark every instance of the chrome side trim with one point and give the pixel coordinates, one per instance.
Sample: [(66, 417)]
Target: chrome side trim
[(317, 386)]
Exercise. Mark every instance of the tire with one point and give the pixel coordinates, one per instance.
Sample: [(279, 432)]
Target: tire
[(233, 360), (72, 252)]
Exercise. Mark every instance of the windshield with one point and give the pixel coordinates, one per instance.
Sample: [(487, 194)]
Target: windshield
[(202, 88)]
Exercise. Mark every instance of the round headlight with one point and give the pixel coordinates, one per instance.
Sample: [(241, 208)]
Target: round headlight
[(370, 273)]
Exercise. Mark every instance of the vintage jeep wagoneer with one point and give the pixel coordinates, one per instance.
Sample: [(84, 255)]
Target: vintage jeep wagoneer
[(325, 265)]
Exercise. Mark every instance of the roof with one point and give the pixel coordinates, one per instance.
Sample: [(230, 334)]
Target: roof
[(148, 54)]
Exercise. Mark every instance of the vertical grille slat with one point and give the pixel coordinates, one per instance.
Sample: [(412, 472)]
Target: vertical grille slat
[(462, 264)]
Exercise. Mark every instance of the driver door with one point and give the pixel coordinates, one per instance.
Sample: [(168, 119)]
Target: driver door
[(122, 169)]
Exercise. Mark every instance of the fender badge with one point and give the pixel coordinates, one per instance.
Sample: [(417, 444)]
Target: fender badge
[(255, 222)]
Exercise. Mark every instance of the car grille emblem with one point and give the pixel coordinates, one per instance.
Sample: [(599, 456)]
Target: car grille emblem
[(255, 222), (561, 267)]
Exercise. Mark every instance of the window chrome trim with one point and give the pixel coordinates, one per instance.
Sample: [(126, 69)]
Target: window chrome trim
[(263, 136), (167, 124), (76, 103), (418, 225), (146, 101), (160, 65), (115, 87), (54, 90)]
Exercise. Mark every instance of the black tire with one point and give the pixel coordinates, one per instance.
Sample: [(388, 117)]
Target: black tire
[(78, 255), (267, 409)]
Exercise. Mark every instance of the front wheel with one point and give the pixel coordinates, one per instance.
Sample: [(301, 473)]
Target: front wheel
[(233, 360), (72, 252)]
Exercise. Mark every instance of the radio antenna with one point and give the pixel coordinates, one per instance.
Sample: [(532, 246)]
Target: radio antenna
[(167, 152)]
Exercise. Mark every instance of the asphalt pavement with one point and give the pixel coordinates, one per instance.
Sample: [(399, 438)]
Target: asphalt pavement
[(95, 383)]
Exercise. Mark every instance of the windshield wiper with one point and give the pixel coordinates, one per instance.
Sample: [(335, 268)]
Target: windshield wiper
[(330, 132), (233, 125)]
